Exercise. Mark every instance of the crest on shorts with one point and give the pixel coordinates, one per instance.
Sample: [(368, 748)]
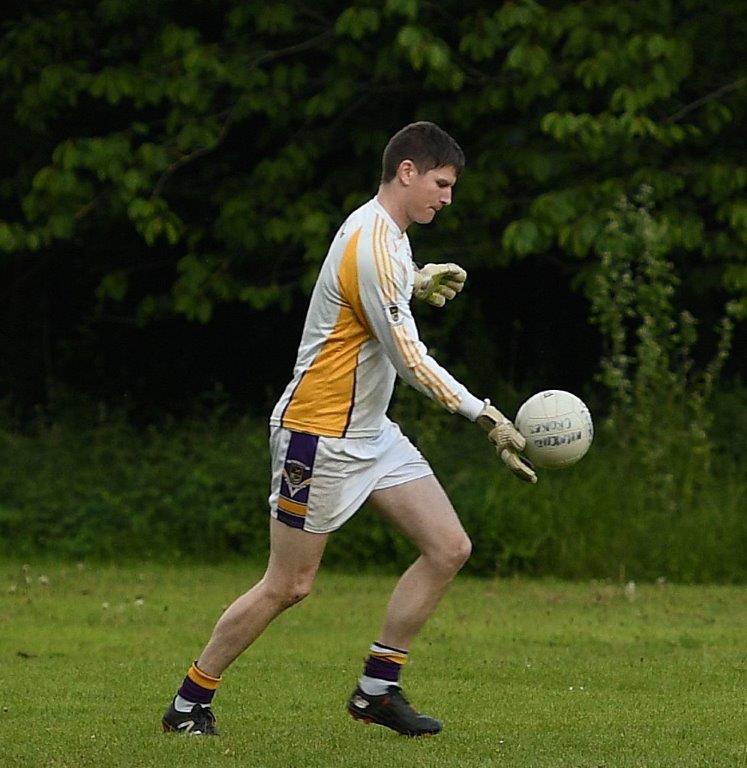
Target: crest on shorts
[(297, 476)]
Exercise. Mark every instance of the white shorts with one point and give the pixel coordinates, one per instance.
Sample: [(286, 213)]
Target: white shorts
[(319, 483)]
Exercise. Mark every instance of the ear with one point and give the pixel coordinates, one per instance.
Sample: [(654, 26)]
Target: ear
[(405, 172)]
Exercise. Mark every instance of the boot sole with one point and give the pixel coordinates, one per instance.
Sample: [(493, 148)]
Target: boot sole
[(369, 721)]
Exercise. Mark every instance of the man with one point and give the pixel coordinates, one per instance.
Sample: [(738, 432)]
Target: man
[(333, 447)]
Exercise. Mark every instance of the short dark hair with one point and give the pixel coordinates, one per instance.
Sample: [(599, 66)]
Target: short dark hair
[(427, 145)]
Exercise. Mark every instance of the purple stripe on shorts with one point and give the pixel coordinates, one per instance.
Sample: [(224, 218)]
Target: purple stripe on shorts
[(294, 521), (298, 468)]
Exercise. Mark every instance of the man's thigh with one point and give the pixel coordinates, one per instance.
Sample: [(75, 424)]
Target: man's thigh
[(422, 511), (294, 553)]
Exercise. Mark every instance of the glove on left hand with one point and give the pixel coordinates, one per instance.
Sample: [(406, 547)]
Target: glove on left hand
[(508, 442), (439, 283), (501, 432)]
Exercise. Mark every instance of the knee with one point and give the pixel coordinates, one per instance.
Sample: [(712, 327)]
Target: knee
[(462, 551), (454, 554), (289, 592)]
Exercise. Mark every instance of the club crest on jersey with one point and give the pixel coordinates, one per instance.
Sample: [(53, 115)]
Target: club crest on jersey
[(394, 314), (297, 475)]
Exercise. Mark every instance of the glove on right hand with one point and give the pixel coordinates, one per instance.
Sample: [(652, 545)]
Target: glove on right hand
[(438, 283)]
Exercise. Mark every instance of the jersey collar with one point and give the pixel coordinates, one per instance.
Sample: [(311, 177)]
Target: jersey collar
[(387, 217)]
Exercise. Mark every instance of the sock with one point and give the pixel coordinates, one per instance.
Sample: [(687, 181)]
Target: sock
[(197, 688), (382, 669)]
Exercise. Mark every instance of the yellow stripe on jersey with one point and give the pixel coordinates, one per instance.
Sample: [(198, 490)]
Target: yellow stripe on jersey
[(383, 261), (406, 345), (423, 373), (348, 280), (323, 399)]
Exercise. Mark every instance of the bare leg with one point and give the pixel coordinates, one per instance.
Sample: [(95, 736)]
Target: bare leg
[(422, 511), (294, 560)]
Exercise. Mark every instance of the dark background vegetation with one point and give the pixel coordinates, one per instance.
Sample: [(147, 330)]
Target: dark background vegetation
[(171, 174)]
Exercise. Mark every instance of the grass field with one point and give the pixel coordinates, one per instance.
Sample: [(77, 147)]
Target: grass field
[(523, 673)]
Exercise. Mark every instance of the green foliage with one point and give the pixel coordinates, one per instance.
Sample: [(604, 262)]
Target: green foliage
[(606, 516), (221, 137), (219, 149), (85, 484), (662, 404), (92, 485)]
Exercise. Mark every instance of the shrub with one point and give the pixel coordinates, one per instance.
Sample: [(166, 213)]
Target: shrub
[(86, 483)]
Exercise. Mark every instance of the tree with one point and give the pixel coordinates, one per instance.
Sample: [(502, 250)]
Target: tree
[(184, 156)]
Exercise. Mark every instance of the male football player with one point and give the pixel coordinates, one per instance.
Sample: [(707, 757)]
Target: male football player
[(333, 447)]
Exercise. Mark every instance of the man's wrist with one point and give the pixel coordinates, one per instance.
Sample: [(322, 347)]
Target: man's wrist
[(471, 407)]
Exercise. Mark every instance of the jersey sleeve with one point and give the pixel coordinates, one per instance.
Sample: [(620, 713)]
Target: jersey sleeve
[(385, 285)]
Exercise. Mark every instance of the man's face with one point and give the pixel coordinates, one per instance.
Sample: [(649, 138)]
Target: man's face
[(427, 193)]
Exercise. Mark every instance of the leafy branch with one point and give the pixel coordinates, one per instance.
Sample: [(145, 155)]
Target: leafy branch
[(712, 96)]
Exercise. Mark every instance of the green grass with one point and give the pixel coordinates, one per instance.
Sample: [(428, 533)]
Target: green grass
[(523, 673)]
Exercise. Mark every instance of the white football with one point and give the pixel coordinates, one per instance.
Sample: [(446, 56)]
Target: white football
[(558, 428)]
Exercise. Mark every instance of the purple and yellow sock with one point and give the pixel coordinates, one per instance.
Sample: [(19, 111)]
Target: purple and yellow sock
[(382, 669), (198, 687)]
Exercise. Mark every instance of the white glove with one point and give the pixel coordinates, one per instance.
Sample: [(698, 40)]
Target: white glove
[(508, 442), (437, 283)]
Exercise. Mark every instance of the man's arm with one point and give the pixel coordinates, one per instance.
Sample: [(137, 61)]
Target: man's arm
[(384, 284)]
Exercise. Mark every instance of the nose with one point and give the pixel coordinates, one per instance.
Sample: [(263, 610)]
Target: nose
[(446, 196)]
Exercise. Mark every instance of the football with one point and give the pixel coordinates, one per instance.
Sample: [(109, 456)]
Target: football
[(558, 428)]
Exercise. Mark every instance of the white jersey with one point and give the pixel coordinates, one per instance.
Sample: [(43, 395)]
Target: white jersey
[(359, 334)]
